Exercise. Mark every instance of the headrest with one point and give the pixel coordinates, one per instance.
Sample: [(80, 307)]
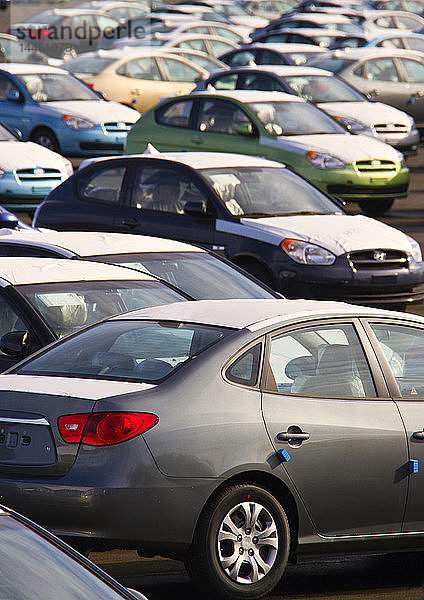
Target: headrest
[(301, 365), (333, 359), (63, 311), (153, 369)]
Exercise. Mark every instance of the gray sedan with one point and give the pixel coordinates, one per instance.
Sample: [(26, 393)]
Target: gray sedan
[(395, 77), (232, 434)]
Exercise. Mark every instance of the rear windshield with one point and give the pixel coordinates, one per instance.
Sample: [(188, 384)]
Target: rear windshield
[(199, 274), (67, 307), (92, 65), (145, 351)]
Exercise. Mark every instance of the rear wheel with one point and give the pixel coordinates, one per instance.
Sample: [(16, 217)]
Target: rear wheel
[(376, 208), (241, 544)]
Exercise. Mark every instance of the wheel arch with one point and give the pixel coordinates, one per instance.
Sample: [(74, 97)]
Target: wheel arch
[(244, 261), (38, 128)]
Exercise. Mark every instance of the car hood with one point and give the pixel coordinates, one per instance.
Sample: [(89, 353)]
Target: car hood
[(347, 147), (99, 111), (367, 112), (337, 233), (26, 155)]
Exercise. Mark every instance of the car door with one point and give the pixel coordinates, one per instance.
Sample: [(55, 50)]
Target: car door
[(140, 83), (179, 77), (334, 426), (401, 349), (412, 73), (157, 199)]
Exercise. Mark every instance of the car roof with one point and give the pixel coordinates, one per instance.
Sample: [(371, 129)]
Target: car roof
[(315, 32), (371, 51), (281, 70), (29, 270), (201, 160), (284, 47), (87, 243), (130, 52), (30, 69), (317, 17), (252, 95), (252, 314)]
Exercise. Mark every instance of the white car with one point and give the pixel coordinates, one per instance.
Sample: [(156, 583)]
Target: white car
[(330, 93), (380, 22), (28, 172), (197, 272)]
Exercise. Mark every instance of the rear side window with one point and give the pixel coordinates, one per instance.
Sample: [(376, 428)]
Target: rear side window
[(245, 370), (176, 114), (104, 185)]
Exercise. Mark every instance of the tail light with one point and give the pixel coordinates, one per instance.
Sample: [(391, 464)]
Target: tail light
[(104, 429)]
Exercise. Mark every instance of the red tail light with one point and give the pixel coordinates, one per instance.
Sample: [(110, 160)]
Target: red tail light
[(104, 429)]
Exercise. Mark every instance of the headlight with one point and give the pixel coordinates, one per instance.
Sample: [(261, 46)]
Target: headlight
[(68, 167), (324, 161), (306, 253), (415, 249), (354, 125), (75, 122)]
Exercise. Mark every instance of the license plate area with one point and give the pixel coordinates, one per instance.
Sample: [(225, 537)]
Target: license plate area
[(27, 443)]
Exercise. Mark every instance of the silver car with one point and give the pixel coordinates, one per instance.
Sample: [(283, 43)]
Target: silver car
[(230, 434)]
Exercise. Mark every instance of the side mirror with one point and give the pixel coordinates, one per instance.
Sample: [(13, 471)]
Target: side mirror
[(16, 344), (8, 220), (244, 129), (14, 96), (195, 208)]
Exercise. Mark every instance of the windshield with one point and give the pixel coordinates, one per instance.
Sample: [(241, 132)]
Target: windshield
[(92, 65), (335, 65), (267, 191), (51, 87), (294, 118), (322, 88), (32, 567), (130, 350), (66, 307), (6, 135), (199, 274)]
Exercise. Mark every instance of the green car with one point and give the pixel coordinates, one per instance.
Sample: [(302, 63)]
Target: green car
[(279, 127)]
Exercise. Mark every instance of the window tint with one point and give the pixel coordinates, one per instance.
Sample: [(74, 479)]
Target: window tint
[(381, 69), (179, 71), (104, 185), (133, 350), (142, 68), (9, 320), (175, 115), (258, 81), (21, 250), (325, 361), (226, 82), (245, 369), (414, 70), (403, 347), (219, 116), (242, 58), (5, 86), (164, 190), (267, 57)]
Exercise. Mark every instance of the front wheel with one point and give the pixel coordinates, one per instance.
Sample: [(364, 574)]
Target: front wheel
[(46, 138), (241, 544), (376, 208)]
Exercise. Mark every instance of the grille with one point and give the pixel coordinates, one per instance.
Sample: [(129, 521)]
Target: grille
[(380, 259), (390, 128), (375, 165), (117, 126), (38, 174)]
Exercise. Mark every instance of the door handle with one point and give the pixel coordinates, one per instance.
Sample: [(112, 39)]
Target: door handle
[(418, 435), (287, 436), (132, 222)]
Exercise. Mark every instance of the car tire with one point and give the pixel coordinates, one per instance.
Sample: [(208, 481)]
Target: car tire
[(259, 271), (376, 208), (45, 137), (227, 559)]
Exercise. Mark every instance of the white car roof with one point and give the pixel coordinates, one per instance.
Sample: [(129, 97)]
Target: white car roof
[(254, 314), (285, 47), (86, 243), (285, 70), (322, 18), (253, 95), (370, 51), (30, 69), (203, 160), (21, 271)]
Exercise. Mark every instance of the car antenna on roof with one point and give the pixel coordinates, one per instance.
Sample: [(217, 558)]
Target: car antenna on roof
[(151, 149)]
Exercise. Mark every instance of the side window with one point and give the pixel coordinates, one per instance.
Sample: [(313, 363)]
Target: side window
[(9, 320), (391, 43), (414, 70), (6, 85), (21, 250), (403, 347), (325, 361), (242, 58), (142, 68), (219, 47), (415, 43), (194, 44), (408, 23), (245, 369), (226, 82), (179, 71), (381, 69), (265, 83), (220, 116), (267, 57), (176, 114), (104, 185), (163, 190)]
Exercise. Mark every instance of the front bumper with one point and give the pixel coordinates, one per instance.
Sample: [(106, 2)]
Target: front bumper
[(407, 143), (93, 142), (371, 287)]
